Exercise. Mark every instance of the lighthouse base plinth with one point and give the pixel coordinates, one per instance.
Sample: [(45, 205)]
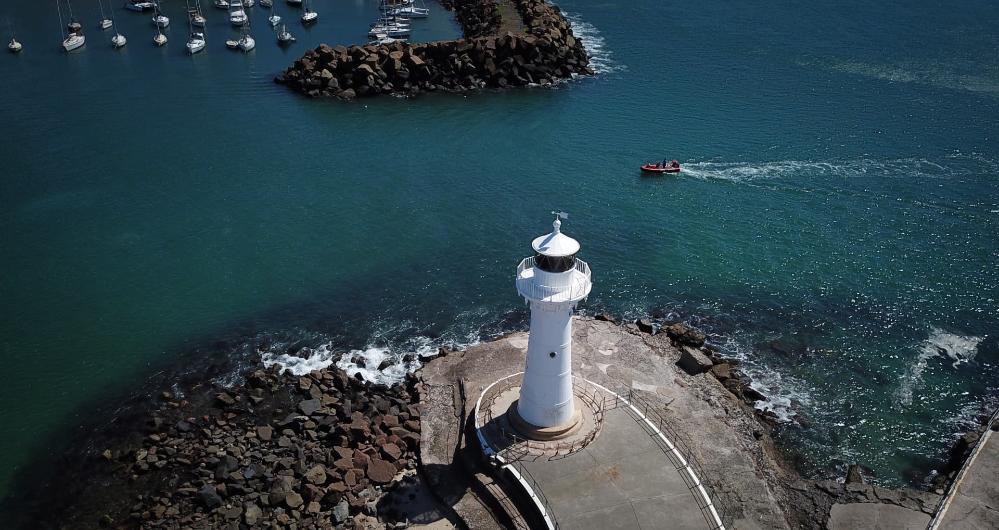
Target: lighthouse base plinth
[(533, 432)]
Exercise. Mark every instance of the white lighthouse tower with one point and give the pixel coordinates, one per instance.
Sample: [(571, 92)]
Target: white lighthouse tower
[(552, 282)]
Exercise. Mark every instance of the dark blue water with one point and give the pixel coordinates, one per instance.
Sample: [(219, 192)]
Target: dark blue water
[(835, 225)]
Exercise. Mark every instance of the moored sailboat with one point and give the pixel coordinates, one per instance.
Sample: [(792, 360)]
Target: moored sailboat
[(284, 36), (159, 39), (197, 19), (196, 42), (105, 22), (118, 40), (274, 19), (159, 18), (237, 16), (139, 5), (309, 16), (13, 46), (246, 42), (74, 38)]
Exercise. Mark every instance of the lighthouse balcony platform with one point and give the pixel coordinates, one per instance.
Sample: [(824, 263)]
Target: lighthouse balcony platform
[(538, 285)]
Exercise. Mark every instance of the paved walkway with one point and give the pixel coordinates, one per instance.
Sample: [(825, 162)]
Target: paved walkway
[(975, 501), (620, 480)]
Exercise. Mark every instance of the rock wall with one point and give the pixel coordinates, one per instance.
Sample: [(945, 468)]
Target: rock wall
[(546, 53)]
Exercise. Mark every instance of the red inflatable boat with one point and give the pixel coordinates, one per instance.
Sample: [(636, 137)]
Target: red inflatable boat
[(672, 167)]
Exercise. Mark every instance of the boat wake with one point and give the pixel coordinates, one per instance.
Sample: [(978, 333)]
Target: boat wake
[(859, 168), (959, 349), (601, 58)]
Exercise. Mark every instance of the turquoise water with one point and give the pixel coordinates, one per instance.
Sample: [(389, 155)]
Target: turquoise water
[(835, 226)]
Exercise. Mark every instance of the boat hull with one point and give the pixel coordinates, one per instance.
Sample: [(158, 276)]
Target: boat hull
[(652, 168), (74, 43)]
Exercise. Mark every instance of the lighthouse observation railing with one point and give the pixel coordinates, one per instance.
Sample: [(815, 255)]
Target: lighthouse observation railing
[(576, 288)]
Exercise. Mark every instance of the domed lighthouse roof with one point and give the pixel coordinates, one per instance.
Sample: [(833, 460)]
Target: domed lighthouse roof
[(556, 244)]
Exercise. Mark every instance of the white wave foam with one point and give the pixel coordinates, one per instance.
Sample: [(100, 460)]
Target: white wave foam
[(393, 365), (601, 58), (958, 348), (784, 395), (314, 359), (748, 171)]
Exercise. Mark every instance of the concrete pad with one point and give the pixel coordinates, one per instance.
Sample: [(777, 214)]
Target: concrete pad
[(621, 516), (975, 501), (650, 474), (574, 493), (663, 513), (875, 517)]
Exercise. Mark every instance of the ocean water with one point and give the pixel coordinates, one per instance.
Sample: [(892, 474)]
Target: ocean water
[(834, 228)]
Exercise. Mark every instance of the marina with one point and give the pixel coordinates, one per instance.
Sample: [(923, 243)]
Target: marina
[(391, 22)]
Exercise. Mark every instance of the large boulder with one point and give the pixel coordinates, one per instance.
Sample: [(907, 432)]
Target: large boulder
[(686, 335), (693, 361)]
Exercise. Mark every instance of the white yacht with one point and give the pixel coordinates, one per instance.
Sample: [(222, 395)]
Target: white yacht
[(246, 43), (73, 41), (410, 12), (248, 3), (118, 40), (139, 5), (196, 43), (222, 4), (283, 36), (309, 16), (13, 46), (161, 20), (105, 22), (74, 38), (159, 39), (195, 16), (274, 19), (237, 17), (382, 38), (267, 3)]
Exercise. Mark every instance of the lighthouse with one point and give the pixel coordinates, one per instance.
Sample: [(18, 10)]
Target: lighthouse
[(552, 281)]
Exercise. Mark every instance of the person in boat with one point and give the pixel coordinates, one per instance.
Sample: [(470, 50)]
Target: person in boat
[(674, 164), (661, 164)]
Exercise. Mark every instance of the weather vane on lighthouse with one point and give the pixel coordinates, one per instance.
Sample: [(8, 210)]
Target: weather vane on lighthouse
[(553, 281)]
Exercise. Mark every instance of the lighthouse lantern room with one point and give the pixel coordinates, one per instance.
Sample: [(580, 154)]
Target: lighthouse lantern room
[(553, 281)]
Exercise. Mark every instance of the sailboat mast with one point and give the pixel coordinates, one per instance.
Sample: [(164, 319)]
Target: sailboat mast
[(70, 4), (100, 5), (59, 9)]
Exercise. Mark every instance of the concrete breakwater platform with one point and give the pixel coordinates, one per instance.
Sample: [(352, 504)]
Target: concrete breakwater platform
[(663, 443)]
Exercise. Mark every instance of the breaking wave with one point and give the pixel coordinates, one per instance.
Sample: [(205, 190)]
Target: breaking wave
[(958, 348), (601, 58), (785, 396), (392, 351), (307, 360)]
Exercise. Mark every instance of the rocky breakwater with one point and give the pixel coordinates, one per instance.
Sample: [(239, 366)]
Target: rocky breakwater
[(545, 53), (281, 451)]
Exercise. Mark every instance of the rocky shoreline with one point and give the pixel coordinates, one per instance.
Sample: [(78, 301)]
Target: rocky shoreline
[(544, 53), (326, 450)]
